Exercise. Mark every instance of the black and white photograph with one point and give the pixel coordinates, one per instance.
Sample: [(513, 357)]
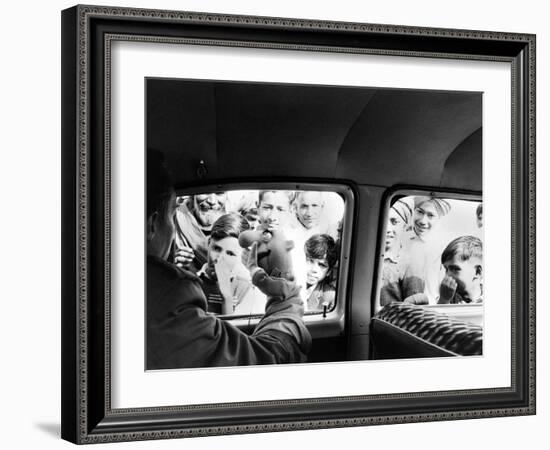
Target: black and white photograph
[(253, 196), (280, 224)]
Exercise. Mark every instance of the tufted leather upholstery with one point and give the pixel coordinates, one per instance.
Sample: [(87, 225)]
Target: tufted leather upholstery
[(402, 330)]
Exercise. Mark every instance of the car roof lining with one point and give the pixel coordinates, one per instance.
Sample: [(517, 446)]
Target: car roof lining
[(373, 136)]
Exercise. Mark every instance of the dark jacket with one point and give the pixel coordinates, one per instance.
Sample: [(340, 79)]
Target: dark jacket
[(180, 333)]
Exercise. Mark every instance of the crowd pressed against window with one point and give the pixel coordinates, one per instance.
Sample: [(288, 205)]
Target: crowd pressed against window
[(214, 231), (433, 252)]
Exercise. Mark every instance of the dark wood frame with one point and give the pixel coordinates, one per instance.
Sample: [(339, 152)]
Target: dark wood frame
[(87, 416)]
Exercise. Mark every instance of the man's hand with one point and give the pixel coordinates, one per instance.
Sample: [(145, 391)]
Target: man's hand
[(183, 257), (447, 289)]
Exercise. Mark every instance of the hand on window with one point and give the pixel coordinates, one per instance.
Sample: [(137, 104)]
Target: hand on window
[(183, 257)]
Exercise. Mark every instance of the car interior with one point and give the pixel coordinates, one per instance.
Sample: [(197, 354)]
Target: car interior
[(363, 148)]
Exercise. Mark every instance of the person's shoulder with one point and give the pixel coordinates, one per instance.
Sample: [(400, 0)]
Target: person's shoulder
[(169, 270), (184, 214), (170, 288)]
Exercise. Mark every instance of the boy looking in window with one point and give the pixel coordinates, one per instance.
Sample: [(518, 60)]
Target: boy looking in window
[(463, 262), (275, 214), (274, 209), (226, 281), (321, 258)]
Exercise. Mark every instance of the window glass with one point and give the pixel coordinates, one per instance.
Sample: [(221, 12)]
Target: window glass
[(432, 251), (298, 235)]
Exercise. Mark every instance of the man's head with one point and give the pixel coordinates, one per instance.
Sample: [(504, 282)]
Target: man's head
[(463, 261), (479, 215), (399, 217), (252, 217), (309, 205), (224, 239), (427, 213), (248, 208), (274, 208), (208, 207), (321, 257), (161, 206)]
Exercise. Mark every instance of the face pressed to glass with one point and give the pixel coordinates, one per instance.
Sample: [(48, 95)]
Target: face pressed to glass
[(274, 209), (208, 207), (467, 274), (394, 229), (425, 217), (309, 206), (227, 248), (317, 270)]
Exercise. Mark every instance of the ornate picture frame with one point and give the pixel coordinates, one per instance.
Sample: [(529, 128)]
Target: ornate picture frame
[(88, 33)]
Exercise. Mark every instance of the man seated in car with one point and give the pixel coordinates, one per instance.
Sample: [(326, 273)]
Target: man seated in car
[(180, 332), (194, 220)]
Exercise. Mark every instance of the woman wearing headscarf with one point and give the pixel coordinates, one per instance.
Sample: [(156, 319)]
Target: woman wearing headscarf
[(421, 266), (399, 219)]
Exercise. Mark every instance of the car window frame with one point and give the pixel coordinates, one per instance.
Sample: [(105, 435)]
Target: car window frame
[(320, 324), (387, 200)]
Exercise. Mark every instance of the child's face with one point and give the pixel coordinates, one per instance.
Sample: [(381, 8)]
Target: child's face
[(317, 270), (425, 217), (227, 248), (274, 209), (467, 274)]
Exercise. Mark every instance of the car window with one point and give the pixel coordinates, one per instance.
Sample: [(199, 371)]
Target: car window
[(432, 251), (299, 235)]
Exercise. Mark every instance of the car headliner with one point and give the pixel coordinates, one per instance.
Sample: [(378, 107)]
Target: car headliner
[(372, 136)]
